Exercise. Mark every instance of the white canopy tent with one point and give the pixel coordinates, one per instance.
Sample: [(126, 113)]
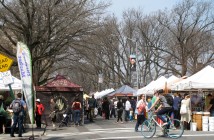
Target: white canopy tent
[(16, 85), (203, 79), (172, 79), (152, 86), (159, 83), (144, 89), (103, 93)]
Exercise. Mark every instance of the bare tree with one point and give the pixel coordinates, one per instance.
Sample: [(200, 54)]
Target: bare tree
[(49, 28), (190, 27)]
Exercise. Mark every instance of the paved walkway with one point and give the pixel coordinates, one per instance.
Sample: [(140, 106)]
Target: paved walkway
[(101, 129)]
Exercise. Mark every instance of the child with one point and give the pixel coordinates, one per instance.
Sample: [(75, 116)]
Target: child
[(131, 115)]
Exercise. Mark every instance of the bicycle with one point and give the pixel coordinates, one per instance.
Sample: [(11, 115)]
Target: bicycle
[(174, 129)]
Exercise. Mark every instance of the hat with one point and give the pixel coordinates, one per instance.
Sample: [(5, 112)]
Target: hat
[(37, 100)]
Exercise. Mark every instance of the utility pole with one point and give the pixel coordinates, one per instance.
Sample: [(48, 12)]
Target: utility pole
[(134, 69), (135, 63)]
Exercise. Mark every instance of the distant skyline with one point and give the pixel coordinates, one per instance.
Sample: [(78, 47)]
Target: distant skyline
[(147, 6)]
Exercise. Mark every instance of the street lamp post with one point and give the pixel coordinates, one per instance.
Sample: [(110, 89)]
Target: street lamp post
[(137, 63), (100, 81), (136, 57)]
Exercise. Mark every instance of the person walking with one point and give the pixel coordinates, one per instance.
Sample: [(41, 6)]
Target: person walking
[(106, 108), (86, 108), (115, 106), (2, 114), (133, 106), (39, 111), (186, 115), (176, 106), (112, 107), (92, 105), (127, 109), (76, 106), (53, 109), (141, 107), (18, 106), (119, 111)]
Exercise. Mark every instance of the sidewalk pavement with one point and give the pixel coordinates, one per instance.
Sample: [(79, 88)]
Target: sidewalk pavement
[(37, 134), (28, 135)]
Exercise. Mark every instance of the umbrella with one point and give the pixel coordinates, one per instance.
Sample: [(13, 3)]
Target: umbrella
[(124, 91)]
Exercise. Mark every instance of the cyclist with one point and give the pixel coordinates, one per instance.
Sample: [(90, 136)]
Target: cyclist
[(163, 108)]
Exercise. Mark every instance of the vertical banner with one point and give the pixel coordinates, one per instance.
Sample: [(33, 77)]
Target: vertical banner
[(133, 62), (25, 69)]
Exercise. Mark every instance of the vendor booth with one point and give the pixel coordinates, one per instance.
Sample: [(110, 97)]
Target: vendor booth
[(199, 86), (63, 91), (16, 87), (125, 90), (103, 93)]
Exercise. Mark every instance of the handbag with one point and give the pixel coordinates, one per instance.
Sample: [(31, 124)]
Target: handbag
[(141, 108), (183, 109), (95, 111)]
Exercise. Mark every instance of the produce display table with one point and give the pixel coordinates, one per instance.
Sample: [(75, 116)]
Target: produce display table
[(197, 117)]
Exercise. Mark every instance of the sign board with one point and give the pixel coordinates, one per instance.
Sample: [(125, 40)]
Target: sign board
[(6, 77), (100, 78), (5, 63)]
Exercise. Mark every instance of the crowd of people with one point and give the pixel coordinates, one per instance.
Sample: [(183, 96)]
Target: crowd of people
[(129, 107)]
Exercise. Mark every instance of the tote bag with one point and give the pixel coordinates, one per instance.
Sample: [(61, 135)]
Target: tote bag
[(183, 109)]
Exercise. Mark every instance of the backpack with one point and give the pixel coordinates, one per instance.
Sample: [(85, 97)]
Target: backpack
[(169, 99), (17, 106), (92, 102)]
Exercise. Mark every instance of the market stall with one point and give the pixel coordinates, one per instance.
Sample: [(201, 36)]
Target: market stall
[(16, 87), (125, 90), (199, 86)]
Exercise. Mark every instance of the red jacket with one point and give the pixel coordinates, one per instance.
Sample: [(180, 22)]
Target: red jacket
[(39, 108)]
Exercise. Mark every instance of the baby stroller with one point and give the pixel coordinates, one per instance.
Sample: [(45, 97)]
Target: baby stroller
[(66, 118)]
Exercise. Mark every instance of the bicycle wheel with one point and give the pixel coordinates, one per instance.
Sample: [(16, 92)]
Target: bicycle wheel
[(148, 128), (175, 129)]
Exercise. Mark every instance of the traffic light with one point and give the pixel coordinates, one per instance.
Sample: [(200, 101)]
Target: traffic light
[(133, 62)]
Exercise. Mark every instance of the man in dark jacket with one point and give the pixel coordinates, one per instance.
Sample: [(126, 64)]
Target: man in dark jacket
[(18, 114), (119, 111), (92, 105), (106, 108)]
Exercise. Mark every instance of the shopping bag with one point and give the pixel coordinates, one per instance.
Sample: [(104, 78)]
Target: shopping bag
[(183, 109)]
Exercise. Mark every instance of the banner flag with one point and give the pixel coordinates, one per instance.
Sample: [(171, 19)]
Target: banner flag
[(25, 69)]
